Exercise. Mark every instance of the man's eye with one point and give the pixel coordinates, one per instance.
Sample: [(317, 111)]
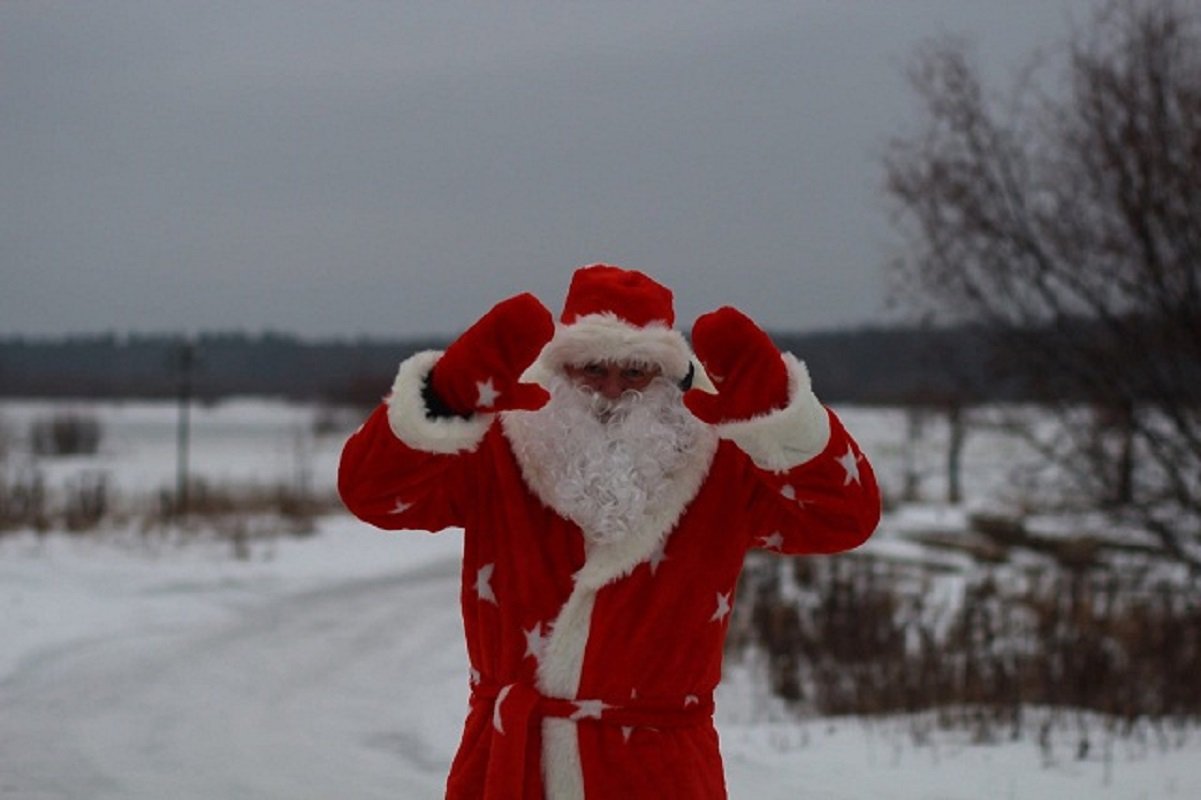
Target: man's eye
[(594, 370), (633, 374)]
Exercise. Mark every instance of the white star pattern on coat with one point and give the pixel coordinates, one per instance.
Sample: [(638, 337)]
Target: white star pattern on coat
[(400, 507), (497, 722), (487, 393), (723, 607), (588, 709), (626, 730), (691, 700), (789, 491), (850, 462), (483, 583), (535, 642), (773, 542)]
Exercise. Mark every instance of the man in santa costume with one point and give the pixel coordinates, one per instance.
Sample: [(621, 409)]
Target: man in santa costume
[(609, 486)]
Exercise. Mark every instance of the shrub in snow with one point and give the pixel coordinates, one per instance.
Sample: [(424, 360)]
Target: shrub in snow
[(866, 636), (65, 434), (22, 499)]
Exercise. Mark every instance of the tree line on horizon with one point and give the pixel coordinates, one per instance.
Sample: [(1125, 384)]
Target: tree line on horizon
[(863, 366), (874, 366)]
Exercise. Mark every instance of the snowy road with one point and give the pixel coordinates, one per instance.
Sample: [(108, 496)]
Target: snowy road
[(332, 668), (289, 701)]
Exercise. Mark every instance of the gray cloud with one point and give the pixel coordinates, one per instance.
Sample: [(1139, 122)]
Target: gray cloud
[(362, 168)]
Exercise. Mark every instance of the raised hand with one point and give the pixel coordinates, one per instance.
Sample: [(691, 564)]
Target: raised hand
[(480, 371), (744, 364)]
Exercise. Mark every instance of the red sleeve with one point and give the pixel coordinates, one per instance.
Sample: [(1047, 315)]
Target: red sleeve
[(813, 490), (406, 469), (385, 482), (827, 504)]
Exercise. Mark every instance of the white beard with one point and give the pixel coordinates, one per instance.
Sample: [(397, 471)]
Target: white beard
[(603, 464)]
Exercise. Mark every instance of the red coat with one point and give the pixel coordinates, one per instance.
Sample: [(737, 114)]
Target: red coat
[(593, 667)]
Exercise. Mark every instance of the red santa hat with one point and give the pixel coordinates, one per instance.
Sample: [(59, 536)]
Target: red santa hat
[(621, 316), (627, 294)]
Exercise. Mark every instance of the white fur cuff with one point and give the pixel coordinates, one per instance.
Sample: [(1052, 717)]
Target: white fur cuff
[(412, 425), (790, 436)]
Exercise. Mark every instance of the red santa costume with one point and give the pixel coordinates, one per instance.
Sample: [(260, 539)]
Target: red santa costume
[(596, 600)]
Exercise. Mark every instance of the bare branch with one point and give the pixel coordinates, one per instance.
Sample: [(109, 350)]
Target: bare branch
[(1071, 226)]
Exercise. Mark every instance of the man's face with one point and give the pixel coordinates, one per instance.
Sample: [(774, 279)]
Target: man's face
[(609, 444), (611, 380)]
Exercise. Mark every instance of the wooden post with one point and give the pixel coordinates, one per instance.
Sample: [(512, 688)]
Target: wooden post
[(185, 362)]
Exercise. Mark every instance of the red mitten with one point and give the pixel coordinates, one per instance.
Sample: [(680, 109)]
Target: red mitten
[(479, 372), (744, 364)]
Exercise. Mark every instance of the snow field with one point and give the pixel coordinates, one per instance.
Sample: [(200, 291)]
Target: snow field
[(333, 665)]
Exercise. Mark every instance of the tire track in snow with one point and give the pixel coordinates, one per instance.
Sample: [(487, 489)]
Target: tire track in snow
[(347, 691)]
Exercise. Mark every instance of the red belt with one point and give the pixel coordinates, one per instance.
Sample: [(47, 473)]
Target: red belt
[(516, 707)]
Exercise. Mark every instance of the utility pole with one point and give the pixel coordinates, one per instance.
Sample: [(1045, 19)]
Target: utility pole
[(185, 364), (957, 433)]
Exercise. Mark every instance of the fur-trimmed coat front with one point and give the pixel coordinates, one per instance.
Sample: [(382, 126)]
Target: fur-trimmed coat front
[(593, 666)]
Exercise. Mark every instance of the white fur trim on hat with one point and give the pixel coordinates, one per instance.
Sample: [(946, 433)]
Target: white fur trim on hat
[(409, 418), (607, 338), (787, 437)]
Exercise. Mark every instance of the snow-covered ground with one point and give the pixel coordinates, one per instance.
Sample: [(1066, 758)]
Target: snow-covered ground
[(332, 666)]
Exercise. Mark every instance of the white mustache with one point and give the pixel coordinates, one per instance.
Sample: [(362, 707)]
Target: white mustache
[(612, 409)]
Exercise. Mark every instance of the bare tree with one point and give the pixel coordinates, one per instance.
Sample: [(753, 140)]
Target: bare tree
[(1067, 219)]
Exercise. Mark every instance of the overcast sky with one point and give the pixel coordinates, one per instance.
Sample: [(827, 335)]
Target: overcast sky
[(395, 168)]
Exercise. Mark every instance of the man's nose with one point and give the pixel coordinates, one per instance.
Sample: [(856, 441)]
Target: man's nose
[(611, 386)]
